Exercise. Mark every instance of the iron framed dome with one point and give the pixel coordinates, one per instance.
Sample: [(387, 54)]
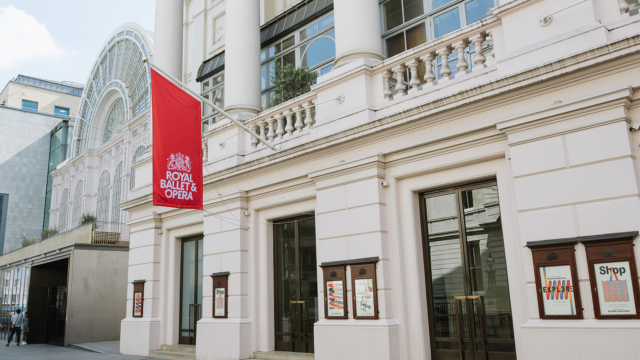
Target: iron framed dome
[(118, 67)]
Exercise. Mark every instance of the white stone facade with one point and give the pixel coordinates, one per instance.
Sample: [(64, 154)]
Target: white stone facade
[(545, 113)]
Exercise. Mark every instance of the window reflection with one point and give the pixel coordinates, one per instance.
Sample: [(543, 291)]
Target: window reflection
[(447, 22), (476, 10)]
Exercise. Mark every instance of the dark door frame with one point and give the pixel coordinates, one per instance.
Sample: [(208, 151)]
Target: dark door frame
[(309, 348), (468, 303), (188, 340)]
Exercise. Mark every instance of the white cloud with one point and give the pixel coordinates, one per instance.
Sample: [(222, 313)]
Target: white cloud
[(23, 38)]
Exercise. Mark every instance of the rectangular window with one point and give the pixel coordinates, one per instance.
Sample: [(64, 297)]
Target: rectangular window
[(409, 23), (60, 111), (29, 105), (212, 89)]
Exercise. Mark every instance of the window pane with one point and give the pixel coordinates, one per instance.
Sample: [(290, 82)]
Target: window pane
[(309, 31), (413, 9), (263, 55), (289, 58), (29, 105), (477, 10), (61, 111), (205, 86), (326, 22), (263, 77), (319, 51), (263, 102), (447, 22), (218, 79), (287, 43), (392, 14), (438, 3), (395, 45), (219, 100), (325, 70), (416, 36)]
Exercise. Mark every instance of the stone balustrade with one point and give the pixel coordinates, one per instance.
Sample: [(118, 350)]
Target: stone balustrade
[(284, 121), (438, 61)]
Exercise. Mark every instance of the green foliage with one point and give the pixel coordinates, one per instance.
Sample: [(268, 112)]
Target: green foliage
[(47, 233), (29, 241), (88, 219), (291, 82)]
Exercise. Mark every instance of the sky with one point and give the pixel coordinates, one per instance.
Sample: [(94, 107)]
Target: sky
[(60, 39)]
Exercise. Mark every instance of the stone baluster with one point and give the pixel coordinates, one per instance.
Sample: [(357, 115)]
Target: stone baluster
[(462, 64), (414, 82), (493, 48), (400, 86), (205, 152), (289, 128), (271, 134), (445, 70), (280, 130), (479, 59), (309, 120), (429, 76), (386, 84), (263, 133), (299, 125), (624, 9), (254, 140)]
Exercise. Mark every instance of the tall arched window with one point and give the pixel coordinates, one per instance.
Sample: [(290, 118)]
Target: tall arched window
[(117, 195), (136, 156), (77, 204), (114, 121), (102, 210), (62, 214)]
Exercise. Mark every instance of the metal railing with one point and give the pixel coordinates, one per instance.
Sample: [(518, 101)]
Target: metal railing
[(109, 233)]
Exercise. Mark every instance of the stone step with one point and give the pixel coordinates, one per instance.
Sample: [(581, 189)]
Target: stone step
[(172, 355), (281, 355), (179, 348)]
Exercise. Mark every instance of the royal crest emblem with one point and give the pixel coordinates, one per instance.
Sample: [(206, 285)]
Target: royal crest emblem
[(179, 162)]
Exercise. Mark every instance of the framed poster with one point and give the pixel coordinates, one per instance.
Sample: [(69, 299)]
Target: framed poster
[(365, 291), (557, 286), (335, 292), (138, 298), (614, 279), (220, 295)]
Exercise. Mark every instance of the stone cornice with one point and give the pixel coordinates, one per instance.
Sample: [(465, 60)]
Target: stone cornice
[(512, 7)]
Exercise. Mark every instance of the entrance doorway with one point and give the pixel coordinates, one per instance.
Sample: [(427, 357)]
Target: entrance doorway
[(468, 293), (190, 289), (296, 283)]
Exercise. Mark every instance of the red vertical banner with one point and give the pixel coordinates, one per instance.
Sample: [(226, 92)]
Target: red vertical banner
[(177, 145)]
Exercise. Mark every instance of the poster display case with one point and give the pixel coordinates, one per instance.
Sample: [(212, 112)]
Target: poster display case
[(557, 286), (220, 295), (138, 298), (335, 291), (613, 278), (365, 290)]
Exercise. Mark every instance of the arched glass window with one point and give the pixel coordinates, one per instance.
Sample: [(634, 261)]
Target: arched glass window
[(114, 121), (62, 214), (136, 156), (77, 204), (318, 51), (117, 195), (102, 210)]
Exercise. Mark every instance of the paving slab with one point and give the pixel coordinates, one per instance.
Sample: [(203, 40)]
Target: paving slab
[(51, 352)]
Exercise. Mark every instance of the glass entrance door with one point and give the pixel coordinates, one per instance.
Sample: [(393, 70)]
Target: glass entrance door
[(296, 284), (467, 286), (190, 289)]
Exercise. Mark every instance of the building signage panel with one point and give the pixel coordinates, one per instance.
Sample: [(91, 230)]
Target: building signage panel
[(557, 290), (220, 301), (220, 294), (556, 281), (138, 298), (614, 278), (335, 300), (365, 290)]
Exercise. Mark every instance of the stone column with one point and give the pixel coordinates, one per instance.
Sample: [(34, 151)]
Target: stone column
[(242, 62), (141, 335), (226, 248), (167, 48), (351, 223), (357, 31)]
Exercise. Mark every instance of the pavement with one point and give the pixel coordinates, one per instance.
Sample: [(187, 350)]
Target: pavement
[(108, 350)]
